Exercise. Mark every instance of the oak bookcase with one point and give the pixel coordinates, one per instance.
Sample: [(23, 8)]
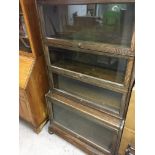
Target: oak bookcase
[(89, 51)]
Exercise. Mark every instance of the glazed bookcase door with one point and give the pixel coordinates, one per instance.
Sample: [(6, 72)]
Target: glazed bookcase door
[(99, 69), (96, 97), (90, 25), (87, 128), (100, 22), (98, 27)]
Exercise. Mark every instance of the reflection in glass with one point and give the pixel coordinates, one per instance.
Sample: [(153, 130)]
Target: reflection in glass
[(102, 98), (84, 126), (24, 44), (100, 66), (108, 23)]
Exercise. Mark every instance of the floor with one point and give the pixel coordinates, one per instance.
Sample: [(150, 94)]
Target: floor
[(43, 144)]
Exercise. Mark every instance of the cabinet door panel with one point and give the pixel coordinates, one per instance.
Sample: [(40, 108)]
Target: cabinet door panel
[(24, 110), (90, 129), (100, 98), (109, 68), (106, 23)]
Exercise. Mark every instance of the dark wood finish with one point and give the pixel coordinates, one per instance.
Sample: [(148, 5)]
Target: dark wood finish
[(113, 124), (89, 79), (98, 49), (128, 136), (129, 71), (123, 102), (106, 75), (50, 110), (47, 56), (133, 42), (85, 45), (83, 1), (91, 47), (109, 119), (41, 19), (132, 82), (73, 140), (93, 105)]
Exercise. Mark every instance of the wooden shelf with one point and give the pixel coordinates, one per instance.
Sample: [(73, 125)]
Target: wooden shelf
[(90, 47), (97, 72), (107, 119), (100, 96)]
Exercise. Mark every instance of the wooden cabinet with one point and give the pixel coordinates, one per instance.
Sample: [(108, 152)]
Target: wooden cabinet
[(33, 82), (128, 136), (89, 51)]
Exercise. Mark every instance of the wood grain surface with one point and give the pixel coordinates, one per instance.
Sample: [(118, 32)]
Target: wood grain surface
[(33, 80), (32, 26), (25, 67), (36, 89)]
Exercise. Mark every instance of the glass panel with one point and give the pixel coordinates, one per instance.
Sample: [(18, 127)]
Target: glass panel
[(102, 98), (84, 126), (24, 44), (100, 66), (108, 23)]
